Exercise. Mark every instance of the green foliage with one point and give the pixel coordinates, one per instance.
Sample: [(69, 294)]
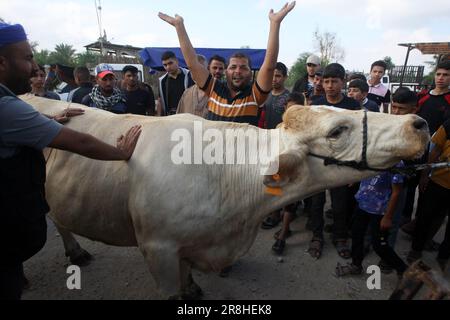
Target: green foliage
[(298, 70), (63, 54), (42, 57), (390, 64), (85, 58)]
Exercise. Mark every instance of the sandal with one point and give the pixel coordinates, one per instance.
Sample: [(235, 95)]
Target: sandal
[(342, 249), (277, 234), (348, 269), (315, 248), (278, 246)]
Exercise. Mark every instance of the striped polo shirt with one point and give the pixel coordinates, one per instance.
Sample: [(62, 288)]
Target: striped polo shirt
[(242, 108)]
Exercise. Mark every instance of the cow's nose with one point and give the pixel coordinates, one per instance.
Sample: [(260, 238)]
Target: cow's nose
[(419, 124)]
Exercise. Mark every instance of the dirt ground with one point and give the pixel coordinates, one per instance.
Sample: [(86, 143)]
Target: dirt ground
[(121, 273)]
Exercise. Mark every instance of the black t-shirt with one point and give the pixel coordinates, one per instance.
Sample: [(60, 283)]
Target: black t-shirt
[(435, 109), (274, 108), (379, 99), (140, 102), (82, 91), (176, 89), (345, 103)]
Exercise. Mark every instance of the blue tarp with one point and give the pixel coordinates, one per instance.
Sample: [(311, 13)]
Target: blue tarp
[(152, 56)]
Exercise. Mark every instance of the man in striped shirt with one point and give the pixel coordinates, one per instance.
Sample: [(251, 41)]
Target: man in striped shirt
[(237, 100)]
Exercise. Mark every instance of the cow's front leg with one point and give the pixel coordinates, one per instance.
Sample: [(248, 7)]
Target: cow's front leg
[(77, 255), (164, 264)]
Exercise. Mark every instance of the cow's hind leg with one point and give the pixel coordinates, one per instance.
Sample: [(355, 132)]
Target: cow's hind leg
[(77, 255), (189, 289)]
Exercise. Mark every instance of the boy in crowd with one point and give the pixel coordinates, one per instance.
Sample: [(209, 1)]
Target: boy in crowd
[(436, 194), (434, 107), (378, 91), (294, 98), (38, 88), (333, 83), (358, 90), (404, 101), (377, 201)]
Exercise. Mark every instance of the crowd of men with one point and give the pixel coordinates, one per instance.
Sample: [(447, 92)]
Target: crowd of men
[(370, 213)]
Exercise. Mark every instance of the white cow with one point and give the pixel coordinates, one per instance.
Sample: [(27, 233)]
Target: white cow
[(206, 216)]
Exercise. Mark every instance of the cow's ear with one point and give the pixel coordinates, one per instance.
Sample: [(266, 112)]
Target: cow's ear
[(288, 169), (295, 118)]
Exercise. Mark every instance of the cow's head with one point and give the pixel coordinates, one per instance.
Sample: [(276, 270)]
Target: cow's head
[(338, 134)]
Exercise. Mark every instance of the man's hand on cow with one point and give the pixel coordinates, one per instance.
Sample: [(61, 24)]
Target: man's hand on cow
[(277, 17), (175, 21), (127, 143), (65, 116)]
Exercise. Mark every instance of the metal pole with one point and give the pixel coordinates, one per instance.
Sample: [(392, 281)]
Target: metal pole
[(406, 63)]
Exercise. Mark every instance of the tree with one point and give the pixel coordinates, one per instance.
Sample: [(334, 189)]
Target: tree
[(327, 44), (85, 58), (42, 57), (64, 54), (298, 70), (390, 64), (34, 45)]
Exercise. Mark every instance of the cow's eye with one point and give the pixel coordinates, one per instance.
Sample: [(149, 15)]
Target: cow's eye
[(337, 132)]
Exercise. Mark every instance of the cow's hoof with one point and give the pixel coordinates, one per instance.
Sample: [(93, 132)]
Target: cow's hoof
[(193, 292), (82, 258)]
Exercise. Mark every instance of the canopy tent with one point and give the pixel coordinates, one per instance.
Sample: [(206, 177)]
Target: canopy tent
[(439, 48), (152, 56)]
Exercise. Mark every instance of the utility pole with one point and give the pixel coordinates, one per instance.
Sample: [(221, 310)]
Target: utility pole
[(98, 9)]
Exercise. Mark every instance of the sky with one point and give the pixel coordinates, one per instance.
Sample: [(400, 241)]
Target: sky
[(368, 30)]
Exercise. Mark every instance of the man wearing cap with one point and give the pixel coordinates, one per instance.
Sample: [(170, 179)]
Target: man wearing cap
[(24, 133), (306, 84), (105, 95)]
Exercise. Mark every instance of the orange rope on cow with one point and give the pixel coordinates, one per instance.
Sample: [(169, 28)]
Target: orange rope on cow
[(275, 191)]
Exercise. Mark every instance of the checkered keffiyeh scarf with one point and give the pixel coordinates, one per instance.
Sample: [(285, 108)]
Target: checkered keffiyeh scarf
[(103, 102)]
